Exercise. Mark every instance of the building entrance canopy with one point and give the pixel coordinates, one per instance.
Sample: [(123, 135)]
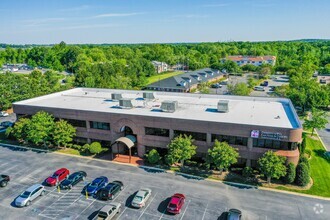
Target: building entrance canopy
[(129, 140)]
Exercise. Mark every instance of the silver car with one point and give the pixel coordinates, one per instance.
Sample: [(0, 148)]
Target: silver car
[(141, 198), (234, 214), (26, 198), (108, 211)]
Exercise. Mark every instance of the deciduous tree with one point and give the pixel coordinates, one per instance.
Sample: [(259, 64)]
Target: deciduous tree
[(272, 165), (180, 149)]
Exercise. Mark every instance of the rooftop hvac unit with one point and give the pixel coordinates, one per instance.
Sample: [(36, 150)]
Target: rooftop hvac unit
[(125, 103), (169, 106), (223, 106), (148, 95), (116, 96)]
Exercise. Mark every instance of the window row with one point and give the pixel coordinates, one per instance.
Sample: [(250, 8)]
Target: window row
[(195, 135), (99, 125), (157, 131), (230, 139), (267, 143)]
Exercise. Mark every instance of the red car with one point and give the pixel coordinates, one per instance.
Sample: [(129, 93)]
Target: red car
[(176, 203), (57, 177)]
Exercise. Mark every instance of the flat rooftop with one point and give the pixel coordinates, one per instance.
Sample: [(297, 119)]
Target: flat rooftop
[(259, 111)]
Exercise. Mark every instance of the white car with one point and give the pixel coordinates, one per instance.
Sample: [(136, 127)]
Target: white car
[(4, 114), (141, 198), (259, 88), (26, 198), (108, 211)]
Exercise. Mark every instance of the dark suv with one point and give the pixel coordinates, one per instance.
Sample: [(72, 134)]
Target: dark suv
[(110, 190), (4, 179)]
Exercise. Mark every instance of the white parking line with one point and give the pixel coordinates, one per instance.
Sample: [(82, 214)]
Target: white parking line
[(147, 206), (122, 213), (85, 209), (205, 211), (185, 210), (10, 168)]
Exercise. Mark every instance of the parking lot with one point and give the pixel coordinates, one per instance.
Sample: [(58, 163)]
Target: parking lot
[(204, 199)]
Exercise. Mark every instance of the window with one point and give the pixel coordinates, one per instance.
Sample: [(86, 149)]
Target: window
[(268, 143), (195, 135), (157, 131), (76, 123), (230, 139), (99, 125)]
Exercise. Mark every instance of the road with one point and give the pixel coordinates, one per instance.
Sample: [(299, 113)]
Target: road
[(325, 134), (205, 199)]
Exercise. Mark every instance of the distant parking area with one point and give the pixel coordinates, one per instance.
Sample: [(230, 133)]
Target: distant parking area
[(204, 200)]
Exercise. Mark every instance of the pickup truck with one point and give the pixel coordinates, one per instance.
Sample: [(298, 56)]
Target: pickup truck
[(4, 179)]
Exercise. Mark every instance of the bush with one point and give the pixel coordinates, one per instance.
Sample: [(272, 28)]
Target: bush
[(305, 160), (302, 146), (247, 172), (153, 156), (76, 146), (290, 173), (95, 148), (302, 175), (85, 148)]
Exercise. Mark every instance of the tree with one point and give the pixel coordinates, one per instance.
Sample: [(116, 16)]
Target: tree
[(290, 173), (318, 120), (272, 165), (19, 131), (40, 128), (95, 148), (239, 89), (304, 160), (264, 71), (302, 174), (230, 66), (180, 149), (153, 156), (222, 155), (302, 146), (63, 133)]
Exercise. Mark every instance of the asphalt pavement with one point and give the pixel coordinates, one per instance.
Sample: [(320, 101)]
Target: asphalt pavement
[(325, 134), (204, 199)]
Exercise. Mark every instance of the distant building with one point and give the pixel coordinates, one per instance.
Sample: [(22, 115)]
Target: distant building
[(253, 60), (186, 81), (160, 66)]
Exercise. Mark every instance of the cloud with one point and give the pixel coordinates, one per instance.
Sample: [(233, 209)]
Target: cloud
[(216, 5), (41, 21), (117, 15), (191, 16), (78, 8)]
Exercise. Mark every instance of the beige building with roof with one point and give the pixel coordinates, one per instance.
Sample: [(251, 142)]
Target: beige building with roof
[(252, 60), (145, 120)]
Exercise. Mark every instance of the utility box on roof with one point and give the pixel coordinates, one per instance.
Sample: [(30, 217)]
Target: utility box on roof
[(169, 106), (125, 103), (116, 96), (148, 95), (223, 106)]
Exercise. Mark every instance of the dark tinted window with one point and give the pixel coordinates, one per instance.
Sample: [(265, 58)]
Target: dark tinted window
[(195, 135), (76, 123), (99, 125), (157, 131)]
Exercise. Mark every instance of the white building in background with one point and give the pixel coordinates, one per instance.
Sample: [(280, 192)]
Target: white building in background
[(253, 60), (160, 66)]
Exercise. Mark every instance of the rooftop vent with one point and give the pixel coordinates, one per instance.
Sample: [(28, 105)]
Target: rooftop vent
[(125, 103), (116, 96), (223, 106), (169, 106), (148, 95)]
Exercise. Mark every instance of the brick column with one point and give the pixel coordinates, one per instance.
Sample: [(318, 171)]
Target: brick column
[(171, 134), (208, 139), (250, 143)]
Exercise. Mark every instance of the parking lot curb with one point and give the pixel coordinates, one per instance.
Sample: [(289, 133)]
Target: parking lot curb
[(321, 140), (172, 172)]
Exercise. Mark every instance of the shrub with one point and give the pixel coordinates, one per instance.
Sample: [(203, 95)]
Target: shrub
[(308, 152), (302, 146), (247, 172), (76, 146), (290, 173), (153, 156), (95, 148), (85, 148), (302, 175), (305, 160)]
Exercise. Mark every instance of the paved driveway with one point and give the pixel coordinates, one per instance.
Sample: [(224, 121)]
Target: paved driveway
[(325, 134), (205, 200)]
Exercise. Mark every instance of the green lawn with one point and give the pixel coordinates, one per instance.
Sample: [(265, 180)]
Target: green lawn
[(69, 151), (157, 77), (320, 170)]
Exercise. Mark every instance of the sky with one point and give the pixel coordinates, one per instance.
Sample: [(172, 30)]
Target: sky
[(161, 21)]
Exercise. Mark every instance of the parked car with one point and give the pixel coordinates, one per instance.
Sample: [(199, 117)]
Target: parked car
[(224, 82), (141, 197), (234, 214), (4, 179), (93, 187), (108, 211), (259, 88), (323, 81), (6, 124), (73, 179), (216, 86), (4, 114), (272, 88), (176, 203), (110, 190), (264, 83), (26, 198), (57, 177)]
